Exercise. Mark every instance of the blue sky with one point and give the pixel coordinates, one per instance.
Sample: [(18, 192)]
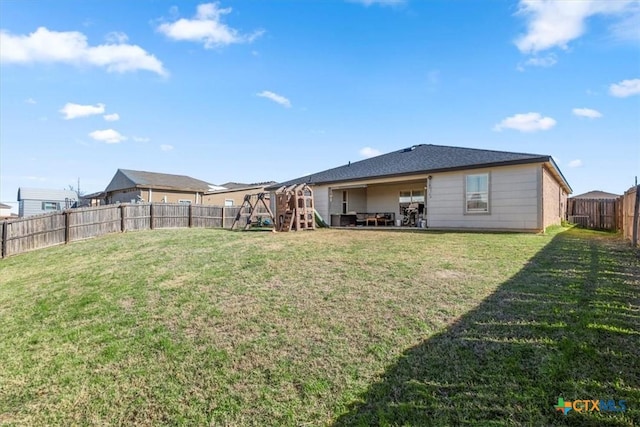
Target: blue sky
[(271, 90)]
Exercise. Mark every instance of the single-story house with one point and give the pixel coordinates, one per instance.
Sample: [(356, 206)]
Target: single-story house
[(597, 194), (34, 201), (233, 193), (130, 186), (450, 187)]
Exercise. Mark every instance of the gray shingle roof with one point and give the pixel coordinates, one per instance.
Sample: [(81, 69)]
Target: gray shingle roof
[(424, 158), (126, 178)]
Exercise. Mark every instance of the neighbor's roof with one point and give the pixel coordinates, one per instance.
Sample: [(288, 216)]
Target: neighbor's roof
[(46, 194), (237, 186), (3, 206), (126, 178), (423, 158), (596, 194)]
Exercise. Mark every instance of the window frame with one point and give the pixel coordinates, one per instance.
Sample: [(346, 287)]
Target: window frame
[(55, 204), (466, 194), (184, 202), (227, 204)]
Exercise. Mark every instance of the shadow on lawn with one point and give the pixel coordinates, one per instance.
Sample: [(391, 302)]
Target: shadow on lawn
[(568, 324)]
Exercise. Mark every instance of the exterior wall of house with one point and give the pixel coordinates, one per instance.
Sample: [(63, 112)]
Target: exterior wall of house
[(218, 198), (36, 201), (154, 196), (124, 196), (513, 199), (554, 200)]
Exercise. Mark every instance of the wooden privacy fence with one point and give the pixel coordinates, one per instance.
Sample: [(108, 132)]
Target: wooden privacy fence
[(41, 231), (597, 214), (631, 216)]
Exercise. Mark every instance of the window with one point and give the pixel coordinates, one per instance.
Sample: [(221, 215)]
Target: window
[(50, 206), (477, 193), (184, 202), (228, 202), (344, 202)]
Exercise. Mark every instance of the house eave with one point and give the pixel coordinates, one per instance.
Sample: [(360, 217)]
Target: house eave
[(541, 159)]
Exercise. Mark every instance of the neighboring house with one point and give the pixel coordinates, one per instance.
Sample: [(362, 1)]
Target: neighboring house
[(453, 188), (93, 199), (129, 186), (34, 201), (596, 194), (5, 212), (233, 193)]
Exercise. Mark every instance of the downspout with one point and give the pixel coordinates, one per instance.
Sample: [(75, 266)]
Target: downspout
[(150, 195)]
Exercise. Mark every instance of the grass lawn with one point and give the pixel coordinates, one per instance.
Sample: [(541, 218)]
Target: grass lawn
[(199, 326)]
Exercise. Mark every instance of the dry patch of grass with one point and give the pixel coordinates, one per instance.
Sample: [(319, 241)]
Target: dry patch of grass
[(215, 327)]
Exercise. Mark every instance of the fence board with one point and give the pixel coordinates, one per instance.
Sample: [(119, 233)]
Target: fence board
[(207, 216), (628, 210), (170, 215), (35, 232), (85, 223), (136, 217), (230, 215), (3, 239)]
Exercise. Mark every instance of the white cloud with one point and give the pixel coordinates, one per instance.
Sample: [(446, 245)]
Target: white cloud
[(367, 152), (625, 88), (527, 122), (108, 136), (553, 23), (207, 28), (379, 2), (275, 98), (117, 37), (30, 101), (73, 111), (112, 117), (166, 147), (141, 139), (575, 163), (544, 61), (628, 28), (587, 112), (71, 47)]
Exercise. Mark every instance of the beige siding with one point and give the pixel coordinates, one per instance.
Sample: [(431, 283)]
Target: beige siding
[(554, 200), (157, 196), (513, 200), (217, 199)]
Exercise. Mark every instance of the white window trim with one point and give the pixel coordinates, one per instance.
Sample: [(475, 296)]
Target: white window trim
[(184, 201), (226, 201), (465, 194)]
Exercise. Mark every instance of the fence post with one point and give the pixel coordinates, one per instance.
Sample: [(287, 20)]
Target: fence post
[(122, 224), (66, 226), (151, 215), (222, 219), (636, 212), (190, 215), (5, 227)]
